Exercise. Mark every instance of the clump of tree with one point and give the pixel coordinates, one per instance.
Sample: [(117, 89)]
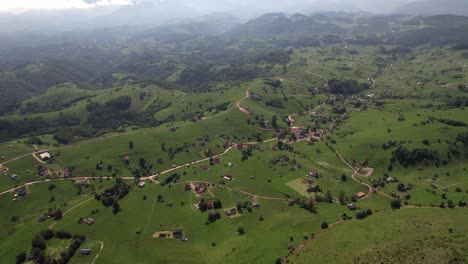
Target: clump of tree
[(363, 214), (457, 102), (346, 86), (449, 122), (39, 247), (173, 177), (276, 103), (120, 103), (246, 153), (463, 138), (413, 157), (111, 195), (274, 83), (213, 217)]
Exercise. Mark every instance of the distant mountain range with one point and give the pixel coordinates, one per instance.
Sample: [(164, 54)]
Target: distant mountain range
[(434, 7)]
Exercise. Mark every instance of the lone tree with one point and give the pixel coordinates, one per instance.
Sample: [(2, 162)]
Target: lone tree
[(395, 204), (240, 230), (324, 225), (342, 197), (274, 122), (130, 144), (115, 207)]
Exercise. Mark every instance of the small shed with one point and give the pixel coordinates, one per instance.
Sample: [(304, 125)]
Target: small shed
[(85, 251)]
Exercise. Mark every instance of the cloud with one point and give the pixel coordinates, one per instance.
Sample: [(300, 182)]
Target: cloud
[(13, 5)]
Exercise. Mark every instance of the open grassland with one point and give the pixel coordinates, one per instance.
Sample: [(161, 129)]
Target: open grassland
[(405, 236)]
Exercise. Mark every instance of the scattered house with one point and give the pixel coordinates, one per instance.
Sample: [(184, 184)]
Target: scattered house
[(42, 218), (311, 189), (199, 189), (299, 132), (390, 179), (209, 205), (216, 160), (66, 173), (141, 184), (228, 177), (138, 231), (317, 136), (43, 171), (240, 146), (409, 187), (204, 168), (88, 221), (314, 173), (230, 164), (14, 177), (188, 187), (21, 192), (177, 234), (352, 206), (82, 182), (3, 170), (252, 177), (231, 212), (45, 156), (162, 235), (51, 214), (255, 204), (291, 202), (360, 195), (85, 251), (3, 157)]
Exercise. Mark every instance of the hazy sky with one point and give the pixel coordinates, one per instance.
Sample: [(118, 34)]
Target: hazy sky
[(12, 5)]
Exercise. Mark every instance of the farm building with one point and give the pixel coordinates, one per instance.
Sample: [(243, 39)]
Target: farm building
[(199, 189), (3, 170), (230, 212), (42, 171), (45, 156), (141, 184), (177, 234), (88, 221), (314, 173), (360, 195)]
